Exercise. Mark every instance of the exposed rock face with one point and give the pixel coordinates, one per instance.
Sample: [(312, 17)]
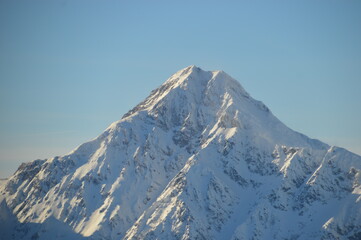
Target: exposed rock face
[(198, 159)]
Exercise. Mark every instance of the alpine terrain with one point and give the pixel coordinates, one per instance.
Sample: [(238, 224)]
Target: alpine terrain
[(198, 159)]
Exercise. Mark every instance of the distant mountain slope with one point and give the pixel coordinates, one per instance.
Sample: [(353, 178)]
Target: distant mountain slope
[(198, 159)]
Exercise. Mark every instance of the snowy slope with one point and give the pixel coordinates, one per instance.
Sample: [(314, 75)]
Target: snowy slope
[(198, 159)]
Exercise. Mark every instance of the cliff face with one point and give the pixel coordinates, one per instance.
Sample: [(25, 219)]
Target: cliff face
[(198, 159)]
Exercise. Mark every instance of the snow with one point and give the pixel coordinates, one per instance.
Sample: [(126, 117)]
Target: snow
[(199, 158)]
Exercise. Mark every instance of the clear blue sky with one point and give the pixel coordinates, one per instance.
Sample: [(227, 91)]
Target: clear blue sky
[(70, 68)]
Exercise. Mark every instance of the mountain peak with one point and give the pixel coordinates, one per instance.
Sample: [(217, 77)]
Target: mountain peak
[(194, 84), (190, 68), (185, 74), (195, 73)]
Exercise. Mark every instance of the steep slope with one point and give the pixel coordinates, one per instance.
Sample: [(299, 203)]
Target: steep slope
[(198, 159)]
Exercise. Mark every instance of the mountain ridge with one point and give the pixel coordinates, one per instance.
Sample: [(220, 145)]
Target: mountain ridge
[(197, 159)]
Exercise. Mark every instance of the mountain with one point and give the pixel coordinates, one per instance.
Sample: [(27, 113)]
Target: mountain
[(198, 159)]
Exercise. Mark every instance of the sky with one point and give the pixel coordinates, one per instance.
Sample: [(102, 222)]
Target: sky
[(68, 69)]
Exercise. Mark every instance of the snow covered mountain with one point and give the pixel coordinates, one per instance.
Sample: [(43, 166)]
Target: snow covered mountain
[(198, 159)]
